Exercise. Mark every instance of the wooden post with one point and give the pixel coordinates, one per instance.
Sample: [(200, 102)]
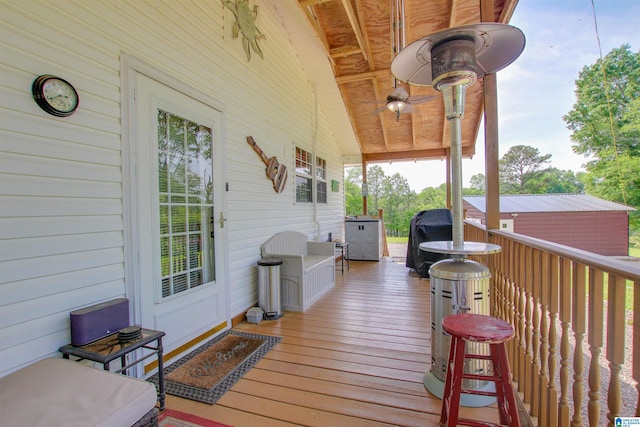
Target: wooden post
[(491, 146), (595, 339), (385, 246), (615, 343), (364, 184), (491, 150)]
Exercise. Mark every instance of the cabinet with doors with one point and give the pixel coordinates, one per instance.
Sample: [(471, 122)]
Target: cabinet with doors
[(365, 239)]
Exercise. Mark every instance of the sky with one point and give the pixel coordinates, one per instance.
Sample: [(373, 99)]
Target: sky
[(536, 90)]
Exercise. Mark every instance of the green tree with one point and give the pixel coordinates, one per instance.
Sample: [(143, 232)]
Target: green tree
[(396, 199), (432, 198), (520, 169), (375, 181), (478, 182), (607, 107), (554, 180), (353, 191), (605, 125)]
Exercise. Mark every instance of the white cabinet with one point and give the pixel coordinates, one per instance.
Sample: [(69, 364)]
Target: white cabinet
[(365, 239)]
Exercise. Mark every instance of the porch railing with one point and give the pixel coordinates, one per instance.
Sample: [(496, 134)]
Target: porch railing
[(576, 353)]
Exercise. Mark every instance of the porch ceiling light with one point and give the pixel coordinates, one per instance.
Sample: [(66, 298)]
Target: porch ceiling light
[(396, 105)]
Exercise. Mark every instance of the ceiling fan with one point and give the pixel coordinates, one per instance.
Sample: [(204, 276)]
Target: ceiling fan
[(399, 101)]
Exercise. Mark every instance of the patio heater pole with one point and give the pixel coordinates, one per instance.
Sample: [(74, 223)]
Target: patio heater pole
[(454, 97), (450, 61)]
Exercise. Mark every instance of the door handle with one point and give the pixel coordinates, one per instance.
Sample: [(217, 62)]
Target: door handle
[(222, 219)]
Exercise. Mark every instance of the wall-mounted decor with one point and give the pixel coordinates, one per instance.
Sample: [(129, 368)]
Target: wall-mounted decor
[(275, 171), (246, 24), (55, 95), (335, 186)]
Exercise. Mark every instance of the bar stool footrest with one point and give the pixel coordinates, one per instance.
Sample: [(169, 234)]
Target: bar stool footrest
[(493, 378), (477, 356), (473, 423), (478, 392)]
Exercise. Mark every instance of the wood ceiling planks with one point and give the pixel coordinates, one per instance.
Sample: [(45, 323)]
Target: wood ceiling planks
[(357, 35)]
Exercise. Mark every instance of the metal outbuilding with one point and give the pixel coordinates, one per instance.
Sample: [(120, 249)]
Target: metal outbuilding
[(578, 220)]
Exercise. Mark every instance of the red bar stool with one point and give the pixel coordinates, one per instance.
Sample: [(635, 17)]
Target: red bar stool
[(478, 328)]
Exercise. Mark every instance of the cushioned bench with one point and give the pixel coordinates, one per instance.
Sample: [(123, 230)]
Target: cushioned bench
[(58, 392), (308, 268)]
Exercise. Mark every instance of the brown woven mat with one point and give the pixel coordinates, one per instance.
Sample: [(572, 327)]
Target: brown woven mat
[(209, 367), (209, 371)]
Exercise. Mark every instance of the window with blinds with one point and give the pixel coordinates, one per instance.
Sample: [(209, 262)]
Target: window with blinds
[(186, 204)]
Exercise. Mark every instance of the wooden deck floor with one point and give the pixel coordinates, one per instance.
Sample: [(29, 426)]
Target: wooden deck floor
[(355, 358)]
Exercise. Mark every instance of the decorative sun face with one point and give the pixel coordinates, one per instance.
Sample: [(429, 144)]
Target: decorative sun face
[(246, 24)]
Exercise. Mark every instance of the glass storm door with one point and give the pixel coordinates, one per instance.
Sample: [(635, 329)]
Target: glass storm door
[(181, 261)]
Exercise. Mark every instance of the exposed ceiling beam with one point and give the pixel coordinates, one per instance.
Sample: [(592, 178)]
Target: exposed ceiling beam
[(453, 15), (362, 76), (365, 34), (355, 26), (306, 3), (343, 51), (415, 155), (379, 95), (487, 11), (507, 10), (376, 86)]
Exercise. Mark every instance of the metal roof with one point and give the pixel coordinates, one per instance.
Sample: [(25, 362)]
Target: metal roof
[(520, 203)]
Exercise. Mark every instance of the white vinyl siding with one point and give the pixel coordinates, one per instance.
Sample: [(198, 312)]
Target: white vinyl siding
[(61, 180)]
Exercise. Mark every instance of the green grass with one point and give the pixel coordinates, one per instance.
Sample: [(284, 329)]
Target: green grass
[(397, 239), (634, 252)]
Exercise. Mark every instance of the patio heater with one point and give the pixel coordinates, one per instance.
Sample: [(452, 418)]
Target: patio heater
[(451, 60)]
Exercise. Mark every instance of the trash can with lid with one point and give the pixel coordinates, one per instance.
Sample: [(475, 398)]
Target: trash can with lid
[(269, 287)]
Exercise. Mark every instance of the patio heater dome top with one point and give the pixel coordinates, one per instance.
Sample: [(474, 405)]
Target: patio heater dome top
[(457, 56)]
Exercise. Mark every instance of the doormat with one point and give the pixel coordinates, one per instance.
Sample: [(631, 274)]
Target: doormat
[(212, 369), (172, 418)]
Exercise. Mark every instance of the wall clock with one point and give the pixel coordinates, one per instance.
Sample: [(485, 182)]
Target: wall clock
[(54, 95)]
